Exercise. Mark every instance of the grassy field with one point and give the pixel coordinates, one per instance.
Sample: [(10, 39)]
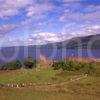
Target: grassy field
[(39, 75), (83, 89)]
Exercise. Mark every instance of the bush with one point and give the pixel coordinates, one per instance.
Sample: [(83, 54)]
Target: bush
[(65, 65), (29, 62), (56, 65), (72, 65), (12, 65)]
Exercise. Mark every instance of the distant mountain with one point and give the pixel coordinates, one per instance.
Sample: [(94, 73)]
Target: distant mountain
[(91, 41)]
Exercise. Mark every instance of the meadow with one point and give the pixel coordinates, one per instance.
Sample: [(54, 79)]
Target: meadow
[(44, 87)]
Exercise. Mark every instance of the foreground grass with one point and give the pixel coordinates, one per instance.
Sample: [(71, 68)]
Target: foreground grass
[(85, 89), (35, 76), (26, 75)]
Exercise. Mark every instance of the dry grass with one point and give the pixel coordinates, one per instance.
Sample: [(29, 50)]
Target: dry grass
[(85, 60), (84, 89)]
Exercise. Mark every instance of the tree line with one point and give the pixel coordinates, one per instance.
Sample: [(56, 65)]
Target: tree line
[(74, 65), (66, 64), (28, 62)]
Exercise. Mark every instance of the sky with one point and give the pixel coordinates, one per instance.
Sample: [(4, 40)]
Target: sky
[(35, 22)]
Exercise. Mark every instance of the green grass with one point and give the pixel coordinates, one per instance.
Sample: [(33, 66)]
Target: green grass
[(35, 76), (27, 75), (85, 89)]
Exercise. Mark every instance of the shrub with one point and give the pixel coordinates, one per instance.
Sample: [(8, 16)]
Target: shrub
[(61, 65), (12, 65), (29, 62), (56, 65), (72, 65), (67, 65)]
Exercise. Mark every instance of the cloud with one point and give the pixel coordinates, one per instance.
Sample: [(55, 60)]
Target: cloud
[(38, 10), (71, 0), (6, 28), (92, 8), (40, 17), (81, 16), (44, 36), (32, 39), (32, 7), (88, 13), (70, 3), (91, 29), (40, 37), (12, 7), (81, 29)]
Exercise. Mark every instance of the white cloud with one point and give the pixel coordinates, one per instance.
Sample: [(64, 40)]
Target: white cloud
[(92, 8), (38, 10), (71, 0), (32, 8), (78, 15), (12, 7), (35, 10), (45, 36), (33, 39), (81, 29), (48, 37), (6, 28), (87, 13)]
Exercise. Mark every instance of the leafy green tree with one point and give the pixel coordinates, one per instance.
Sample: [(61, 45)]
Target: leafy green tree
[(56, 66), (29, 62), (12, 65)]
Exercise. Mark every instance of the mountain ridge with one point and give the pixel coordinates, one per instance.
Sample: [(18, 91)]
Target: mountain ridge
[(90, 41)]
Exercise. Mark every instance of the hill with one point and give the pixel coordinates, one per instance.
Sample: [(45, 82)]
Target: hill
[(91, 41)]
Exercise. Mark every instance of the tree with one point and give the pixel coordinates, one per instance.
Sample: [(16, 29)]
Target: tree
[(29, 62), (12, 65)]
